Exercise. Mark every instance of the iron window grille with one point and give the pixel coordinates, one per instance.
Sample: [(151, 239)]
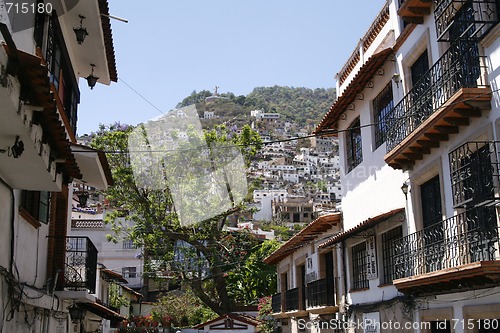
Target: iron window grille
[(389, 252), (359, 266), (474, 172), (354, 145), (382, 104)]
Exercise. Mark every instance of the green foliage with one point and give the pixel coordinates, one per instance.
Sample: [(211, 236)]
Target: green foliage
[(265, 310), (183, 307), (204, 253), (299, 105), (254, 279), (115, 299), (302, 106), (194, 98)]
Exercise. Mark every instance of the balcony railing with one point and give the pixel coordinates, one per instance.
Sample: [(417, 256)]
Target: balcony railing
[(471, 236), (276, 303), (471, 19), (292, 299), (460, 67), (81, 264), (320, 293), (474, 172)]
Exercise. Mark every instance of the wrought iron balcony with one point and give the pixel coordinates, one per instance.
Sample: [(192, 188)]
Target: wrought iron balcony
[(470, 19), (276, 303), (462, 251), (320, 293), (414, 11), (452, 91), (80, 269), (474, 172), (292, 299)]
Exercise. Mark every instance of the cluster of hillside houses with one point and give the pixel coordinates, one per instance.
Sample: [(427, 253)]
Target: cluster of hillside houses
[(416, 246)]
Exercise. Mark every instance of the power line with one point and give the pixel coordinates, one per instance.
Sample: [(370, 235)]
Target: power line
[(142, 96), (321, 134)]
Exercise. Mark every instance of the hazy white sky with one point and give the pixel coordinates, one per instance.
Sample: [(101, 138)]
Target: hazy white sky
[(170, 48)]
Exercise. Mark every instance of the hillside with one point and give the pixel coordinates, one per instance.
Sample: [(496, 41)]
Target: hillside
[(297, 105)]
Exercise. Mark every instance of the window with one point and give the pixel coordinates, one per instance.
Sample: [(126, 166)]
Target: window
[(388, 252), (128, 244), (430, 196), (433, 233), (129, 272), (382, 104), (36, 204), (360, 280), (472, 174), (353, 145), (421, 93)]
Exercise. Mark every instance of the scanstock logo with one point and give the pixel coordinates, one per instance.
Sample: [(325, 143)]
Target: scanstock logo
[(20, 14), (204, 179)]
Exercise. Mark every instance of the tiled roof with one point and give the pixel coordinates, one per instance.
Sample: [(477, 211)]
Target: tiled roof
[(310, 232), (367, 224), (108, 40), (247, 319), (357, 84)]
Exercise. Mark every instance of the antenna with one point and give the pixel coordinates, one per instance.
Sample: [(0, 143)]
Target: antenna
[(115, 18)]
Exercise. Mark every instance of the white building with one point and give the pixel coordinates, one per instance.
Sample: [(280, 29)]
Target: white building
[(264, 199), (208, 114), (43, 270), (307, 278), (419, 110)]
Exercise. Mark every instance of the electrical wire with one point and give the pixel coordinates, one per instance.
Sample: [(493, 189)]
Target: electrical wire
[(265, 143)]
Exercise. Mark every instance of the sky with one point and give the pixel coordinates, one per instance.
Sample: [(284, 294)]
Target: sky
[(170, 48)]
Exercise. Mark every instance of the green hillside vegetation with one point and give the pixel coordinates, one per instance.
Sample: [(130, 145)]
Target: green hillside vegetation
[(297, 105)]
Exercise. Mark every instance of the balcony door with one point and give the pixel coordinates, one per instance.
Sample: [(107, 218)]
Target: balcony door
[(481, 224), (433, 232), (466, 50), (421, 89)]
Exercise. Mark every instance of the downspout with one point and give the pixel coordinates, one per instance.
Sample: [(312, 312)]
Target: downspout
[(12, 222), (344, 275)]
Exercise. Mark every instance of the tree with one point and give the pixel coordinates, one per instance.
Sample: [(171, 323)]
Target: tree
[(183, 308), (201, 254), (254, 279)]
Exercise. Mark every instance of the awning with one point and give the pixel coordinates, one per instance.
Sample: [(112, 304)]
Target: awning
[(109, 275), (358, 83), (310, 232), (94, 166), (102, 311), (365, 225), (132, 292)]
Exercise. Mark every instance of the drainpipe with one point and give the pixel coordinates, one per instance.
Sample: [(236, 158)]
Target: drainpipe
[(12, 222), (344, 273)]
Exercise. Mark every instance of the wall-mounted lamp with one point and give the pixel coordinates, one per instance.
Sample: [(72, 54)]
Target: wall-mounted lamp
[(397, 79), (80, 32), (16, 150), (92, 79), (404, 188), (76, 313), (83, 197)]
